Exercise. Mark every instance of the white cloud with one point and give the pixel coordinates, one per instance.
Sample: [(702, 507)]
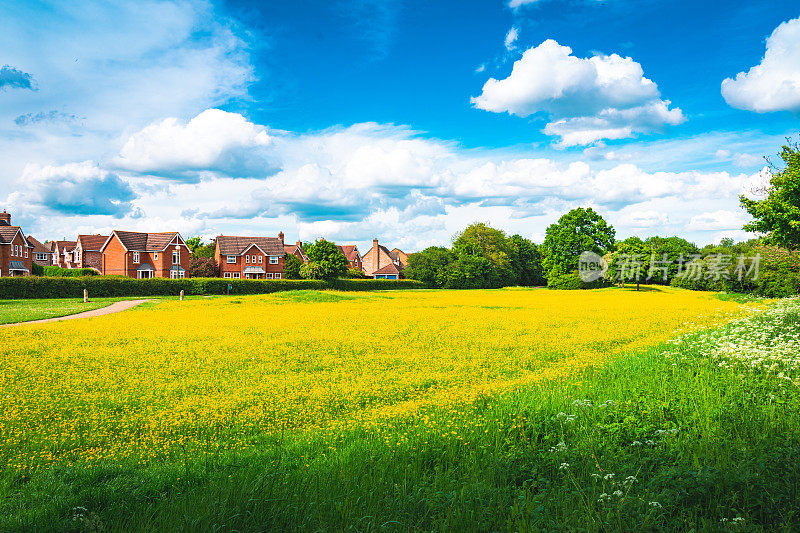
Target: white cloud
[(214, 140), (513, 4), (747, 160), (773, 84), (511, 39), (717, 220), (586, 99)]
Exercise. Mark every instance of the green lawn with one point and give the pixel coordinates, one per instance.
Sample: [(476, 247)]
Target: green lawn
[(13, 311)]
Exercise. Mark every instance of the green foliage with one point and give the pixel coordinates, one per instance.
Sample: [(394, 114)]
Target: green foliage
[(778, 215), (291, 266), (326, 261), (202, 267), (37, 269), (117, 286), (199, 249), (55, 271), (656, 260), (580, 230), (354, 273), (572, 281), (481, 257)]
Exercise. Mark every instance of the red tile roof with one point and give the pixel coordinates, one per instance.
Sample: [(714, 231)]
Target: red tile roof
[(7, 233), (38, 248), (92, 243), (349, 250), (136, 241), (233, 245), (66, 246), (388, 269)]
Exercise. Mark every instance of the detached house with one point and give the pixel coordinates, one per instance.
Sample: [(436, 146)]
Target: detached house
[(145, 255), (64, 254), (41, 254), (350, 251), (381, 263), (294, 249), (87, 251), (15, 250), (250, 257)]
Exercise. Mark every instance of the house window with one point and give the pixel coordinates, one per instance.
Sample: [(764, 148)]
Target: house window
[(273, 260), (247, 259), (226, 275), (260, 259), (26, 252), (173, 274), (269, 275), (277, 275), (236, 275), (41, 257), (231, 259), (176, 256), (155, 256), (135, 257), (254, 260)]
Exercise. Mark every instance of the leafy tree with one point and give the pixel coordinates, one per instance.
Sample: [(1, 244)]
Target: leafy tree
[(202, 267), (354, 273), (198, 249), (481, 240), (291, 266), (326, 261), (430, 265), (778, 215), (575, 232), (526, 261), (193, 243)]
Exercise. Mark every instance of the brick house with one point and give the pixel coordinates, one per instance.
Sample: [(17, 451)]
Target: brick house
[(145, 255), (64, 254), (250, 257), (87, 251), (15, 251), (294, 249), (40, 253), (350, 251), (381, 263)]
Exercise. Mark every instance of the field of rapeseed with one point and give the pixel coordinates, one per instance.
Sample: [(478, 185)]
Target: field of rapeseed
[(500, 409)]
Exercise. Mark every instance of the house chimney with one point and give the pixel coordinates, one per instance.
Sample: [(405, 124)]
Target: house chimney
[(299, 244), (377, 254), (5, 218), (280, 236)]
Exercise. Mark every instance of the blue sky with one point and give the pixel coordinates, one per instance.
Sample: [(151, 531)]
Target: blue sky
[(402, 120)]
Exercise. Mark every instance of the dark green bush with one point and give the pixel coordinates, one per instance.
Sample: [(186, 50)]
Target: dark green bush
[(55, 271), (113, 286), (573, 281)]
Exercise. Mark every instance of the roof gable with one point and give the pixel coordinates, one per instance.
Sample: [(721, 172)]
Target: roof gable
[(135, 241), (38, 248), (236, 245), (92, 243), (9, 233)]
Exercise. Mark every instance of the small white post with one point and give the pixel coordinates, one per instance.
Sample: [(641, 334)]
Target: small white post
[(85, 296), (181, 294)]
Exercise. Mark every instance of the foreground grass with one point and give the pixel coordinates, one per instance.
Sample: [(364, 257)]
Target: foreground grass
[(661, 437), (13, 311)]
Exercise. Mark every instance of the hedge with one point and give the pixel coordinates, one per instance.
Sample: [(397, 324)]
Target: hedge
[(113, 286), (573, 281)]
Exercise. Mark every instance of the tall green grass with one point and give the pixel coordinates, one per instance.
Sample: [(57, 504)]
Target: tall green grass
[(665, 439)]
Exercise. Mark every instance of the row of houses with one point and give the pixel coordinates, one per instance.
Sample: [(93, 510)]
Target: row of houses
[(166, 255)]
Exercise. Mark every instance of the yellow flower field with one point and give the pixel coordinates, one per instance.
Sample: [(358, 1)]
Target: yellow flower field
[(178, 378)]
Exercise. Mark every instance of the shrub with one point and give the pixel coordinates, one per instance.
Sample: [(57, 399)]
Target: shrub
[(202, 267), (573, 281), (117, 286), (354, 273), (56, 271)]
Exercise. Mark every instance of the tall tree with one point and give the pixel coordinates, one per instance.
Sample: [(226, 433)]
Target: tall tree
[(291, 266), (326, 261), (481, 240), (778, 215), (526, 261), (575, 232)]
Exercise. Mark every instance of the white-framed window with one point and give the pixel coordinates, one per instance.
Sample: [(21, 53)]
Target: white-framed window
[(26, 251), (260, 259), (247, 259), (254, 260), (173, 274), (155, 256), (41, 257), (236, 275), (269, 275), (231, 259), (226, 275), (176, 256), (135, 257), (277, 275), (273, 260)]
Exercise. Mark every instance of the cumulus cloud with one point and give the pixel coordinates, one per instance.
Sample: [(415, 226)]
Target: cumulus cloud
[(74, 189), (13, 78), (586, 99), (717, 220), (773, 84), (213, 141)]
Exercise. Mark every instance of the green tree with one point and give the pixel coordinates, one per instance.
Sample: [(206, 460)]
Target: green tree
[(430, 265), (199, 249), (575, 232), (202, 267), (326, 261), (193, 243), (291, 266), (778, 215), (526, 261), (481, 240)]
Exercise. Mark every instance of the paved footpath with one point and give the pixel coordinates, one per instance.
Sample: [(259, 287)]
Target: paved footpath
[(116, 307)]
